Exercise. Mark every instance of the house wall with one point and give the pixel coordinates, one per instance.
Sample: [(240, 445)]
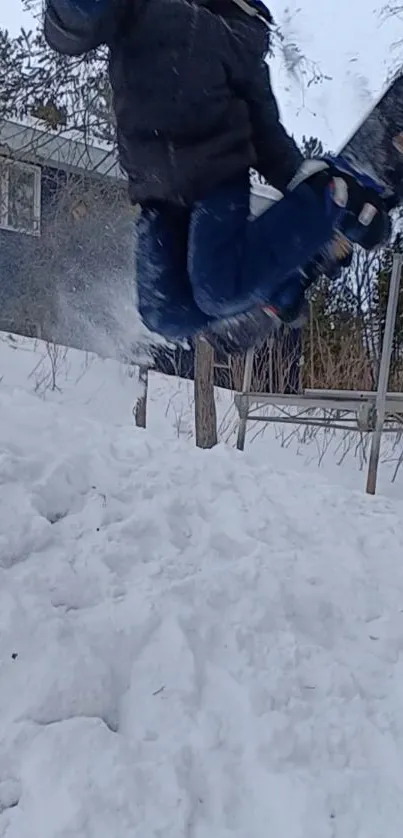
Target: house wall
[(85, 221)]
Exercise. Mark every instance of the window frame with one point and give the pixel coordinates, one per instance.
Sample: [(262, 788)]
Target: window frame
[(5, 167)]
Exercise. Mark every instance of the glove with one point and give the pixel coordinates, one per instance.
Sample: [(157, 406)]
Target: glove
[(365, 220)]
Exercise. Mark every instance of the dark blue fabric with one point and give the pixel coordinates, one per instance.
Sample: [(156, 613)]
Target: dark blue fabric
[(213, 262), (262, 9), (91, 7), (235, 263), (165, 295), (74, 27)]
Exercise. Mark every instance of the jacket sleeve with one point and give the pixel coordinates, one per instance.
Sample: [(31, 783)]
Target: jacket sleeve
[(74, 27), (278, 156)]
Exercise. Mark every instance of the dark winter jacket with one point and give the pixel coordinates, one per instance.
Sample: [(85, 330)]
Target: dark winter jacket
[(192, 93)]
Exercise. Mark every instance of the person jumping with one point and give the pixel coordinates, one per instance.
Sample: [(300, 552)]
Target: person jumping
[(195, 111)]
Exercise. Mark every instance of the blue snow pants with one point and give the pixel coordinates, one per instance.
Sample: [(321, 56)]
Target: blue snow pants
[(212, 261)]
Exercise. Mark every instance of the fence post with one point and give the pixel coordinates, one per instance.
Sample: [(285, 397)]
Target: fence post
[(140, 409), (384, 368), (205, 409)]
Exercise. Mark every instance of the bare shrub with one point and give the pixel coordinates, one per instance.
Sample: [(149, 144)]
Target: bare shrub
[(46, 372), (338, 362)]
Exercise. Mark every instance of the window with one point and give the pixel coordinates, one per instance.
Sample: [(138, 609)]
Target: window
[(20, 197)]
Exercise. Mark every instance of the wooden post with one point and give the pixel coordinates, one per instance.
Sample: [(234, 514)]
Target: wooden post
[(205, 410), (384, 369), (271, 364), (244, 409), (140, 410), (311, 339)]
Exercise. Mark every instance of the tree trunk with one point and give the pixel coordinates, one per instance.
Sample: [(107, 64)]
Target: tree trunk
[(205, 410), (140, 410)]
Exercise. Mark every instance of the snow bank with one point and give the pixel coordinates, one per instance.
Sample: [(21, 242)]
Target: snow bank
[(190, 643)]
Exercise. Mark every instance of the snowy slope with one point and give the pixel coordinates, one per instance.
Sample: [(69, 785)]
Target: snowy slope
[(191, 644)]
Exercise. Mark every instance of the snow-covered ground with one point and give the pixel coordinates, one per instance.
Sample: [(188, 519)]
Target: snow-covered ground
[(103, 389), (192, 643)]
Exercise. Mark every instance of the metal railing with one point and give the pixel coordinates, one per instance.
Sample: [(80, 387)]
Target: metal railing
[(372, 412)]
